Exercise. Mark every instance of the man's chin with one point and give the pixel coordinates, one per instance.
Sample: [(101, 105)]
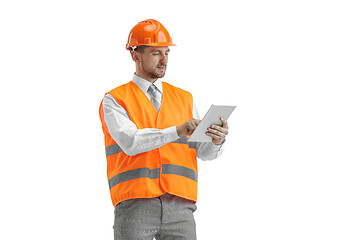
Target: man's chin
[(159, 75)]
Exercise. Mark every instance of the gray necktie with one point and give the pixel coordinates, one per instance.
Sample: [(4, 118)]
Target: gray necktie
[(155, 96)]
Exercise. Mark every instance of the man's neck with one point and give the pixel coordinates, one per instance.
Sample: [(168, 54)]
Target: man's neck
[(143, 76)]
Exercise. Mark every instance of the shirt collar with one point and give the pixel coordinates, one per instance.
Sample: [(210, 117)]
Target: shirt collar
[(144, 84)]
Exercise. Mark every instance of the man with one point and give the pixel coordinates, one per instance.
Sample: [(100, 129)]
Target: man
[(152, 168)]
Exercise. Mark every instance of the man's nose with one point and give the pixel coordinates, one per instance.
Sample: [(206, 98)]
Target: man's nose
[(164, 58)]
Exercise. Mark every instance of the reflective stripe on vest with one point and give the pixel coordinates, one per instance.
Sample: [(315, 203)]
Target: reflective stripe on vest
[(153, 174), (115, 149)]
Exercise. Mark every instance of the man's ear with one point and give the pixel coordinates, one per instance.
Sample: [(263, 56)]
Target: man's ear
[(135, 56)]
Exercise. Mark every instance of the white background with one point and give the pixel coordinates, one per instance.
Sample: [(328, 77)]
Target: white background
[(291, 167)]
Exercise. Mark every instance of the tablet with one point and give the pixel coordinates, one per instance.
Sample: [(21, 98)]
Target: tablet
[(212, 116)]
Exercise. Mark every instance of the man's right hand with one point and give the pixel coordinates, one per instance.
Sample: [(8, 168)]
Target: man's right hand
[(187, 128)]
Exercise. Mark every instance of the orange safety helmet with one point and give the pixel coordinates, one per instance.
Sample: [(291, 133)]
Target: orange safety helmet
[(150, 33)]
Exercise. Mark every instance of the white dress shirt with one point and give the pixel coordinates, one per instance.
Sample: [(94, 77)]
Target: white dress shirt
[(134, 141)]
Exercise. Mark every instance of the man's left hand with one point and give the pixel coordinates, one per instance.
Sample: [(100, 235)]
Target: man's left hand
[(218, 133)]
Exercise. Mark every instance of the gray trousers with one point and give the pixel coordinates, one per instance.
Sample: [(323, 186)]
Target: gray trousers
[(167, 217)]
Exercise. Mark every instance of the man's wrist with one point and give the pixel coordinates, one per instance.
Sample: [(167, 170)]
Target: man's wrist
[(178, 131), (175, 132), (220, 144)]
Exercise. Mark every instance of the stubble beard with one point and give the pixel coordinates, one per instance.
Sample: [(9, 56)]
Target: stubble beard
[(156, 73)]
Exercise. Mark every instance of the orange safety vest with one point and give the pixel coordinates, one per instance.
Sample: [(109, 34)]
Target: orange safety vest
[(171, 168)]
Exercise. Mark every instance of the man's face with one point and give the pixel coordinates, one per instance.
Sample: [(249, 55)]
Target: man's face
[(153, 61)]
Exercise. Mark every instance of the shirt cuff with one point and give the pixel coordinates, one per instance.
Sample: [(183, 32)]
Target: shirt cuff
[(219, 148), (170, 134)]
